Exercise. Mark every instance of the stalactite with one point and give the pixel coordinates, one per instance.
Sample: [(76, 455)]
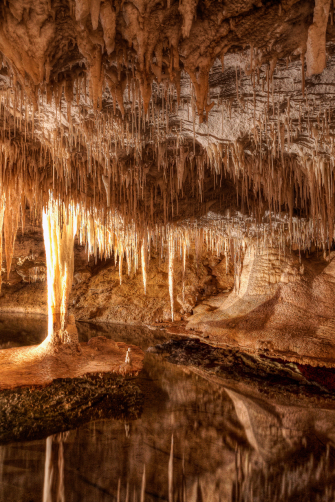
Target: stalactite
[(81, 156), (11, 222), (2, 211), (144, 267), (170, 274)]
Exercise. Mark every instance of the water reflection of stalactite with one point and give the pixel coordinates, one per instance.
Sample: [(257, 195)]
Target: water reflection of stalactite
[(2, 459), (170, 472), (60, 489), (143, 485), (48, 487), (305, 478)]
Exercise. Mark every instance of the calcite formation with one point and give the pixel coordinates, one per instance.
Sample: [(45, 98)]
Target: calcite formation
[(176, 130)]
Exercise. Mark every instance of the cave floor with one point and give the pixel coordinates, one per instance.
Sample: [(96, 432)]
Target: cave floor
[(210, 425), (39, 365)]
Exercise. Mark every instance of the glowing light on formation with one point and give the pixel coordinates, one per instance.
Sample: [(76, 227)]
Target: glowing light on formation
[(59, 230), (111, 236), (184, 269), (120, 266)]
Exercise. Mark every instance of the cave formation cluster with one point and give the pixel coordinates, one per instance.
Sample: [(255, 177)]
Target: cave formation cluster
[(173, 125)]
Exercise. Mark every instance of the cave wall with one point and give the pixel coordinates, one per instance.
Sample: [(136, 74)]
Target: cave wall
[(98, 296), (283, 307)]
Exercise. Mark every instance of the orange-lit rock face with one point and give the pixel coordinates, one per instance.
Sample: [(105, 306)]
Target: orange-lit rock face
[(59, 251), (100, 294), (39, 365)]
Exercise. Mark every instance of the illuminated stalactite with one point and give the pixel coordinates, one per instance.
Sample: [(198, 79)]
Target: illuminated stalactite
[(59, 230), (184, 269), (86, 168), (170, 274), (144, 267), (2, 212), (11, 220)]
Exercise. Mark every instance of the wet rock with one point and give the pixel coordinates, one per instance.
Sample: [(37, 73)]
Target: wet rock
[(31, 413), (261, 375)]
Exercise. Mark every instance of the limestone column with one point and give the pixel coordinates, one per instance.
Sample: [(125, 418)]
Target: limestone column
[(59, 230)]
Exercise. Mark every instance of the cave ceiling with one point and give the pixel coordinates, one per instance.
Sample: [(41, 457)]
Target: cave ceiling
[(166, 112)]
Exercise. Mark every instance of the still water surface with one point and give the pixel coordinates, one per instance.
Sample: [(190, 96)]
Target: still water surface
[(196, 441)]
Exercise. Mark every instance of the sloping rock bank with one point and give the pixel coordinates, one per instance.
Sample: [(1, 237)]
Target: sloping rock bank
[(38, 365), (284, 308)]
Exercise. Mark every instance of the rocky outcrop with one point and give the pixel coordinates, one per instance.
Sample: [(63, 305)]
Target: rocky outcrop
[(101, 298), (67, 403), (281, 305), (284, 307)]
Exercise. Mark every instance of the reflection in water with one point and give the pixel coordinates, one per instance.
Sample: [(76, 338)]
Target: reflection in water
[(198, 440), (171, 472), (142, 487), (49, 470)]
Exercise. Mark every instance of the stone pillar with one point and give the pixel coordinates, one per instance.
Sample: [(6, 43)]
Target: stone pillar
[(59, 230)]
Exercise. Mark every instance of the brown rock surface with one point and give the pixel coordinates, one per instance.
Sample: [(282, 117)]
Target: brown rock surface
[(39, 365), (283, 308), (101, 298)]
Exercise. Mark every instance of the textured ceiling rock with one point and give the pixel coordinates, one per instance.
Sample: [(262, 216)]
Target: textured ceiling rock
[(117, 93), (42, 39), (186, 100)]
